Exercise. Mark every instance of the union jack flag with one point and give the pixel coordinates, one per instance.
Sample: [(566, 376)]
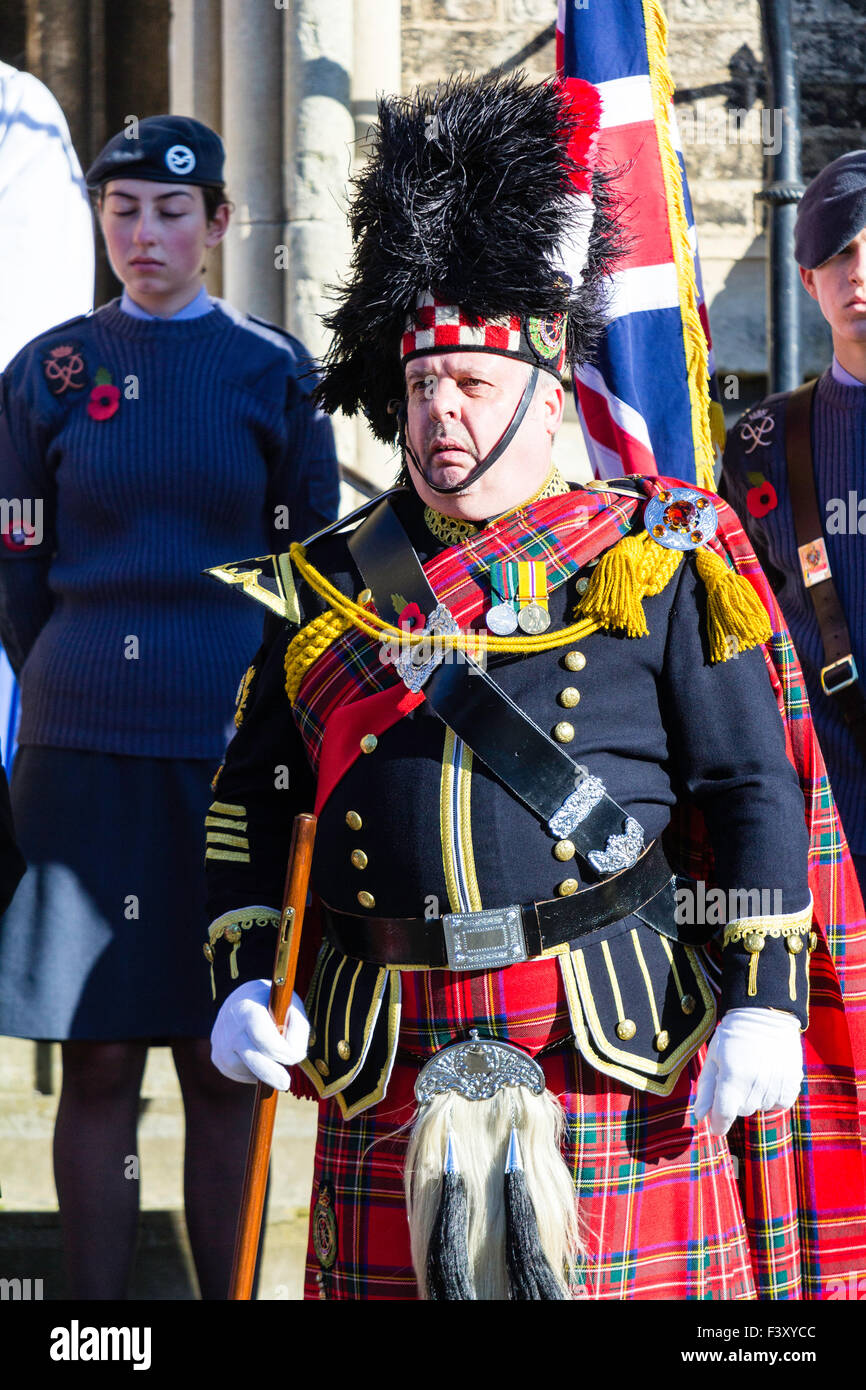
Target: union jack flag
[(645, 402)]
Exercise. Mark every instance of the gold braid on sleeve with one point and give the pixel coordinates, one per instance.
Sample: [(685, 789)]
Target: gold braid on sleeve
[(794, 927), (232, 926)]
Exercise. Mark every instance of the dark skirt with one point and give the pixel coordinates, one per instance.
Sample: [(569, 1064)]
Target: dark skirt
[(103, 939)]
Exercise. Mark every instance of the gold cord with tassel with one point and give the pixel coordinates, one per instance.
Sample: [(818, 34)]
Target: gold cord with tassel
[(630, 571), (626, 574), (638, 568)]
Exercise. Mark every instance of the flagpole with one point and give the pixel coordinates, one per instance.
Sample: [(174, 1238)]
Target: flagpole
[(783, 189)]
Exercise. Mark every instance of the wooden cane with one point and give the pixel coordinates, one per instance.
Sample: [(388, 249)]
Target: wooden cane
[(262, 1128)]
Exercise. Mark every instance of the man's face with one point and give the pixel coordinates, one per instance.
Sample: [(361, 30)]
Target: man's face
[(459, 406), (839, 285)]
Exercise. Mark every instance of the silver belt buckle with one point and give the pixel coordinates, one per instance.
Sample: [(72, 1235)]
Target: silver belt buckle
[(486, 940)]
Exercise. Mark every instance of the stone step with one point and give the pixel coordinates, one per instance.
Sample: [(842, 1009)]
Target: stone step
[(30, 1245), (31, 1250)]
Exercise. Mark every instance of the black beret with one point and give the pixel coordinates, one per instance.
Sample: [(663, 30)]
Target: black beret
[(832, 210), (164, 149)]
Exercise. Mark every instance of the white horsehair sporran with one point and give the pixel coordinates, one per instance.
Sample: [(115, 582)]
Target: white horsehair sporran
[(491, 1203)]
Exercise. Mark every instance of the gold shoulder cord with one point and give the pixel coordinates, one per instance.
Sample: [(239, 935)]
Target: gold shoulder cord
[(314, 639), (354, 615), (628, 572)]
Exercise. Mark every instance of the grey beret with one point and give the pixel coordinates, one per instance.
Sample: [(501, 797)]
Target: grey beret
[(832, 210), (167, 149)]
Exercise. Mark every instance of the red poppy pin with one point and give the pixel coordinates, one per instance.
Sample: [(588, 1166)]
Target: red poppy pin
[(410, 618), (63, 368), (104, 399), (21, 539), (761, 497)]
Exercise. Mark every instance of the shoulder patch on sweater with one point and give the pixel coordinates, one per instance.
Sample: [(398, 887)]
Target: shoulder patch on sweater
[(757, 429), (63, 368)]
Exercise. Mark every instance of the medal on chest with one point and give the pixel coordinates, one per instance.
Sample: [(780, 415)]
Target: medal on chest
[(519, 592)]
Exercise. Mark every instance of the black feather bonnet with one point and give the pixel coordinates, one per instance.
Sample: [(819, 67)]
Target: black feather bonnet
[(469, 198)]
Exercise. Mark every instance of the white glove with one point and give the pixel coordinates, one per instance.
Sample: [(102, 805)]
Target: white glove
[(754, 1062), (246, 1044)]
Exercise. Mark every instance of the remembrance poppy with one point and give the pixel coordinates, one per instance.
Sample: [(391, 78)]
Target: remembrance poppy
[(103, 401)]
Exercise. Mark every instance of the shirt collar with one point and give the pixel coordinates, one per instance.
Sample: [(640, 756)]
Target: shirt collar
[(202, 304), (843, 377)]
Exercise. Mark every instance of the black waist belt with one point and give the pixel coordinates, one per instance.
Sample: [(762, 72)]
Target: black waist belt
[(496, 937)]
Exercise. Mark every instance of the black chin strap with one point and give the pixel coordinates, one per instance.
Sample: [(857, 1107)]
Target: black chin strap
[(495, 453)]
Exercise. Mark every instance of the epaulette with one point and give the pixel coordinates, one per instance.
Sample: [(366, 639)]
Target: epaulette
[(57, 331), (267, 579), (276, 330)]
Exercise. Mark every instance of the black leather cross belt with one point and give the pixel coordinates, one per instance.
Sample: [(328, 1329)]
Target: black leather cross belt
[(574, 804), (496, 937)]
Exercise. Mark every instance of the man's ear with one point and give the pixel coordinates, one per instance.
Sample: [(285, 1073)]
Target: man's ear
[(554, 406), (808, 278)]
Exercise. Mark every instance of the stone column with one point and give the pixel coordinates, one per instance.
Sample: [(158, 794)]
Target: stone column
[(321, 131), (195, 82), (377, 57), (58, 53), (195, 61), (376, 72), (252, 130), (320, 134)]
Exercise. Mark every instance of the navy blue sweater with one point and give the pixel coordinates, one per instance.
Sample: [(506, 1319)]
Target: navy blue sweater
[(209, 450)]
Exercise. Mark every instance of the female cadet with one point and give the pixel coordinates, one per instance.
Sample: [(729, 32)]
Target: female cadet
[(161, 435)]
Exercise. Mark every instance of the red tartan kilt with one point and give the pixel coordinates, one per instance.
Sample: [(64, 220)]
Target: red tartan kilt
[(524, 1005), (664, 1213), (660, 1206), (659, 1203)]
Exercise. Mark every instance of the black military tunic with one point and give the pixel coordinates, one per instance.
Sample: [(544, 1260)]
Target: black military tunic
[(417, 826)]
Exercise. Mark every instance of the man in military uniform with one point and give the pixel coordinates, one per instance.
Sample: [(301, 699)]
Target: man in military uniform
[(519, 710), (794, 469)]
